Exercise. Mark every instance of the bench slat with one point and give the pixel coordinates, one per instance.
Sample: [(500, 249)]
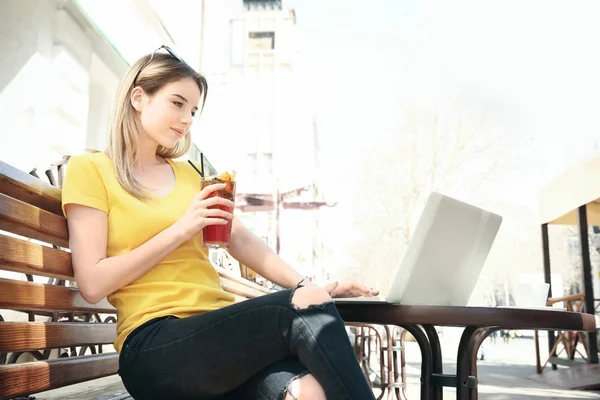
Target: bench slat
[(228, 275), (32, 222), (29, 258), (23, 379), (19, 295), (239, 298), (30, 336), (29, 189), (240, 289)]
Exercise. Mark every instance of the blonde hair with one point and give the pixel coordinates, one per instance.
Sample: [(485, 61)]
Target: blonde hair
[(151, 73)]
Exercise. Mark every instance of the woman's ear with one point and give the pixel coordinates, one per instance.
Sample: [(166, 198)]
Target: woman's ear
[(138, 97)]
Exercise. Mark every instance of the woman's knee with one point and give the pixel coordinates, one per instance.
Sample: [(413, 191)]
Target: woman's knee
[(310, 295), (305, 388)]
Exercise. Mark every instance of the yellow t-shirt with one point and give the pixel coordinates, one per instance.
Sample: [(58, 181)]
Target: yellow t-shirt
[(184, 283)]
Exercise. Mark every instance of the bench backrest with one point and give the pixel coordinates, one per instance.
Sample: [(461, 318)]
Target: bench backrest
[(55, 316)]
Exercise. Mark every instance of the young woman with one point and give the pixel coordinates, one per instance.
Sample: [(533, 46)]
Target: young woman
[(135, 219)]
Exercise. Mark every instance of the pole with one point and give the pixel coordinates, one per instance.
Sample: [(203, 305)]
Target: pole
[(547, 279), (587, 280)]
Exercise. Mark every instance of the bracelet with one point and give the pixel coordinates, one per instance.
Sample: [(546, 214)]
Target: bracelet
[(300, 283)]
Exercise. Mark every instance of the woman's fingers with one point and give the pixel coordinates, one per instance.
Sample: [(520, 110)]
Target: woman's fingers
[(216, 213), (215, 221), (204, 193), (216, 201)]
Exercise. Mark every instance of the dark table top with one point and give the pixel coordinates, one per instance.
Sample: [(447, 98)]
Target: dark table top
[(508, 318)]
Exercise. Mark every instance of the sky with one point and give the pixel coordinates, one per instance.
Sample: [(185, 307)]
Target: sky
[(532, 61)]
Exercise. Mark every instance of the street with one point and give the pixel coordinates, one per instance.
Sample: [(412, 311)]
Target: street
[(502, 374)]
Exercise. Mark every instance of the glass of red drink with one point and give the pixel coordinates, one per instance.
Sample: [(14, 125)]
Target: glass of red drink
[(217, 236)]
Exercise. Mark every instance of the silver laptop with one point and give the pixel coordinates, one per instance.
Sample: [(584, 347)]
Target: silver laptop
[(444, 257)]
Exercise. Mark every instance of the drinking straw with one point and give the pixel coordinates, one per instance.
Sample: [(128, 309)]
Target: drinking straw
[(193, 166), (202, 163)]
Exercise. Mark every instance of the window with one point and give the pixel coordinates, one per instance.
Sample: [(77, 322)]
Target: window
[(251, 166), (258, 41), (262, 5), (267, 163)]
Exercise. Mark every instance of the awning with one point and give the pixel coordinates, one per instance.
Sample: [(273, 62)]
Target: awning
[(577, 186)]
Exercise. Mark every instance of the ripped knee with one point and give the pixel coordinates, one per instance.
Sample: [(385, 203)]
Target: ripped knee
[(305, 387), (305, 297)]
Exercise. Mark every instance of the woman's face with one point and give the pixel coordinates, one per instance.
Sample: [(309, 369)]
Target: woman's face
[(167, 116)]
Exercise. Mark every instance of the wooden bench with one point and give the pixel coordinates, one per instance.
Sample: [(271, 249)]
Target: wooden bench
[(55, 338)]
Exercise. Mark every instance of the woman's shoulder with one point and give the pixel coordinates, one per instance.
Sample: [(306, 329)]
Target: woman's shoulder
[(99, 159), (85, 182), (184, 167)]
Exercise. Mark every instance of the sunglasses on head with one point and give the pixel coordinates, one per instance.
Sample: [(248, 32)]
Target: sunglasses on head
[(163, 47)]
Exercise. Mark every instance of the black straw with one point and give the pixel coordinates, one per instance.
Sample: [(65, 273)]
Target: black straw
[(202, 163), (193, 166)]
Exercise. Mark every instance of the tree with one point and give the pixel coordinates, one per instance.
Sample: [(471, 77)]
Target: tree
[(454, 148)]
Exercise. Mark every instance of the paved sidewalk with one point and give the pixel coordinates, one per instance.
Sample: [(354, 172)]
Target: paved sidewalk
[(98, 389), (503, 375)]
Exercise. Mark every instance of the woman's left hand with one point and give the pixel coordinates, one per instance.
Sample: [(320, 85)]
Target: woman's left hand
[(349, 289)]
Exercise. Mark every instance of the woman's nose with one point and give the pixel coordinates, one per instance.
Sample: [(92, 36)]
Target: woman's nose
[(187, 119)]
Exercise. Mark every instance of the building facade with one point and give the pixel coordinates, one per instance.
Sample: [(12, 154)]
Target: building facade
[(260, 123)]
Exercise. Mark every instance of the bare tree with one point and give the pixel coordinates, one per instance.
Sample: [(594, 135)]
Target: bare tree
[(454, 149)]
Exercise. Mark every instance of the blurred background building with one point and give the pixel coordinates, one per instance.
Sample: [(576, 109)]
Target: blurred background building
[(62, 61)]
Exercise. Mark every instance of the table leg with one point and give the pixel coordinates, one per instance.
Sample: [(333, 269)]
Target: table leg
[(436, 352), (403, 365), (476, 343), (462, 363), (426, 359), (538, 363), (470, 342)]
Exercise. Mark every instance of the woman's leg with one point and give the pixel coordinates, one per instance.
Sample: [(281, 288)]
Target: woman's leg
[(208, 355), (284, 380)]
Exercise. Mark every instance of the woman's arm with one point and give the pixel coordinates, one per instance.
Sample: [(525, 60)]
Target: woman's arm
[(96, 275), (253, 252)]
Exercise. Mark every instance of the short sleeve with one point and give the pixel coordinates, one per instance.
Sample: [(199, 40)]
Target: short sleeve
[(83, 184)]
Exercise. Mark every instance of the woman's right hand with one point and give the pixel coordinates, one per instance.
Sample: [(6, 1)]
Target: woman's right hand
[(200, 215)]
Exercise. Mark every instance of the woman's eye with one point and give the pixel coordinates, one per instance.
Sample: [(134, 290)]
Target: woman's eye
[(178, 104), (193, 113)]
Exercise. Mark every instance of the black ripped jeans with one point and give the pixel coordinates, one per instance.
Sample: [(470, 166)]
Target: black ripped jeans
[(249, 350)]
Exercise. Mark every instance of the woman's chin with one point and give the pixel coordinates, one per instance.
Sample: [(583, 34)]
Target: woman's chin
[(169, 144)]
